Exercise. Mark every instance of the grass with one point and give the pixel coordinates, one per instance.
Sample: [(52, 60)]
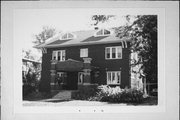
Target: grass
[(34, 96), (46, 97), (152, 100)]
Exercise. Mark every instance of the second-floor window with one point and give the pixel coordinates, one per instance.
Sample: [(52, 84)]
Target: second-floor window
[(113, 52), (67, 36), (59, 55), (103, 32), (84, 52)]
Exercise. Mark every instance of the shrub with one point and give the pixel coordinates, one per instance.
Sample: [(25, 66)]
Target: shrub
[(118, 95), (30, 82), (85, 92)]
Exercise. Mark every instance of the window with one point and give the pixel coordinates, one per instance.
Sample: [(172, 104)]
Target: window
[(63, 77), (114, 77), (58, 55), (80, 77), (67, 36), (113, 52), (84, 52), (103, 32)]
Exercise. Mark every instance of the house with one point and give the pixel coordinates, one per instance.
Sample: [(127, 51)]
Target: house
[(85, 58)]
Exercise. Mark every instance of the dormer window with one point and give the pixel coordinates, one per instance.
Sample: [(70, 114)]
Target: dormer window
[(103, 32), (67, 36)]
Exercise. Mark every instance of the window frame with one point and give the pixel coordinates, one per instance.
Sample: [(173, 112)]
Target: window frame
[(103, 33), (84, 54), (111, 53), (68, 36), (61, 55), (110, 82)]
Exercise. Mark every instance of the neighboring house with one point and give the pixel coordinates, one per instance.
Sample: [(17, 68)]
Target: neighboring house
[(85, 58), (30, 64)]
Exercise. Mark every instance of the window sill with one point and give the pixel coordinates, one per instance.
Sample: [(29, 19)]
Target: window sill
[(58, 60), (113, 58), (114, 84)]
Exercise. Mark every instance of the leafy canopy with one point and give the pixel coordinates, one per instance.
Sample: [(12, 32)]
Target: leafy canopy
[(143, 32), (46, 33)]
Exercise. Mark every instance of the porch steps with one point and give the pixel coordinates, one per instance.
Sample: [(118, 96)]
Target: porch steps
[(63, 95)]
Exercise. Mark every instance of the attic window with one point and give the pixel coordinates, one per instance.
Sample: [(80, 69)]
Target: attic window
[(67, 36), (103, 32)]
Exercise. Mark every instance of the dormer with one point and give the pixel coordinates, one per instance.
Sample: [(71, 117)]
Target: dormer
[(103, 32), (67, 36)]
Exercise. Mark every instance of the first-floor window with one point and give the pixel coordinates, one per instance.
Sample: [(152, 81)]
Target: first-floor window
[(80, 77), (113, 77), (59, 55)]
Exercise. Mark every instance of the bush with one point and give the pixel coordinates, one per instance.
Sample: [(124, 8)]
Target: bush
[(27, 88), (30, 82), (118, 95), (85, 92)]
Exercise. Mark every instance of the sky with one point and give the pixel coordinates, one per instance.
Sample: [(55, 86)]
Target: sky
[(29, 22)]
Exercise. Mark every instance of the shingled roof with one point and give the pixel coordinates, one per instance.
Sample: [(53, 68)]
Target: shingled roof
[(82, 38)]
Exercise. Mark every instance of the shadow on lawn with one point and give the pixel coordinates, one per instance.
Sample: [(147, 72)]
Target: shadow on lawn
[(47, 97), (36, 96), (152, 100)]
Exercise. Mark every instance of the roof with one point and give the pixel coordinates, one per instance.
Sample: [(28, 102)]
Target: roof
[(82, 38), (30, 60), (71, 65)]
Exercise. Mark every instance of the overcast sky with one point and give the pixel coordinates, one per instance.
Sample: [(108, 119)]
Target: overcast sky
[(28, 22)]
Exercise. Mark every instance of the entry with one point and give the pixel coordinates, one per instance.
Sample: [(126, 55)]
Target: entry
[(72, 80)]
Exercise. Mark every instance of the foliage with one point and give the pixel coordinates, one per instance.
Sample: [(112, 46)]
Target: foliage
[(30, 82), (46, 33), (118, 95), (84, 93), (101, 18), (143, 32), (28, 54)]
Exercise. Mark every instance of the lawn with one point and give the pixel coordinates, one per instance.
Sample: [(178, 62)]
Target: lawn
[(56, 102)]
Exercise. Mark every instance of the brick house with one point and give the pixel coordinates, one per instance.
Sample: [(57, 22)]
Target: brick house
[(85, 58)]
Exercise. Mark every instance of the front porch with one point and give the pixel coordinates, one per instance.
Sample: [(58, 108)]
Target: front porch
[(70, 74)]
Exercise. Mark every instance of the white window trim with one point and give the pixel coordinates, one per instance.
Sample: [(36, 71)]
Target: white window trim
[(56, 54), (74, 36), (82, 53), (116, 47), (95, 35), (111, 72)]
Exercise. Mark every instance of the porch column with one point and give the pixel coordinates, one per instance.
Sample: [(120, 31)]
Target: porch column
[(53, 74), (87, 71)]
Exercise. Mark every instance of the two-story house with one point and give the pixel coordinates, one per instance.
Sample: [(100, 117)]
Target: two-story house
[(84, 58)]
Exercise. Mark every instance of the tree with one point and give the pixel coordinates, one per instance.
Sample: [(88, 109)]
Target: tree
[(101, 18), (47, 32), (143, 32)]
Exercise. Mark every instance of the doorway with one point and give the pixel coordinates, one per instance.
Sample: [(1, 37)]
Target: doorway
[(72, 80)]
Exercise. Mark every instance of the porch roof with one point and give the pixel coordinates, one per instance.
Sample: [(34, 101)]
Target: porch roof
[(71, 65)]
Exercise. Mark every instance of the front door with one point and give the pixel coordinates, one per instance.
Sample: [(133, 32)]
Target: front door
[(72, 80)]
